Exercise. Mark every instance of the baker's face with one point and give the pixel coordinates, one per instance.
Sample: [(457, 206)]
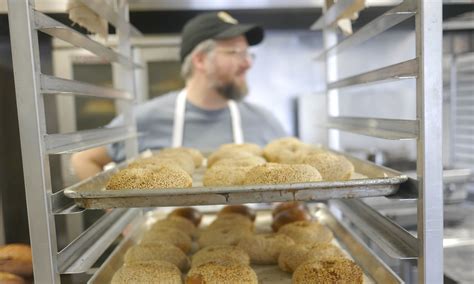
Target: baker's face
[(227, 65)]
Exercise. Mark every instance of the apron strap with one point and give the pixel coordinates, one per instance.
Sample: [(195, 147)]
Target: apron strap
[(178, 123), (236, 122)]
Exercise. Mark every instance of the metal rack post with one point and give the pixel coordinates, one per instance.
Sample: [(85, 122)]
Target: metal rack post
[(429, 144), (426, 69), (36, 144)]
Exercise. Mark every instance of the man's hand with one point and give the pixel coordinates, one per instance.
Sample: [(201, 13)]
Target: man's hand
[(90, 162)]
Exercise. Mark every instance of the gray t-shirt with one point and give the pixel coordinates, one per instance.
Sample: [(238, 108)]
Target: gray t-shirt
[(204, 130)]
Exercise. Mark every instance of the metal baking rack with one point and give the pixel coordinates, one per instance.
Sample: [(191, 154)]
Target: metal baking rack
[(36, 144), (32, 86), (375, 270), (425, 68), (370, 180)]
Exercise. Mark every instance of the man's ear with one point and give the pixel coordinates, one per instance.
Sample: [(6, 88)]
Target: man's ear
[(199, 60)]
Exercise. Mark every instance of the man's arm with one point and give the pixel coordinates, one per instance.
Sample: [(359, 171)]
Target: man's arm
[(90, 162)]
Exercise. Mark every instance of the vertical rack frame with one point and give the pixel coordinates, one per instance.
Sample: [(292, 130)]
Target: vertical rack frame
[(31, 117), (429, 143), (36, 144), (427, 128)]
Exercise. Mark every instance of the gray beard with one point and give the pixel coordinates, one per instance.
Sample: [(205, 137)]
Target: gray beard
[(231, 91)]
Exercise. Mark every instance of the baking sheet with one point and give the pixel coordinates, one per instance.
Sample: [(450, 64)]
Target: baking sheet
[(369, 180), (375, 271)]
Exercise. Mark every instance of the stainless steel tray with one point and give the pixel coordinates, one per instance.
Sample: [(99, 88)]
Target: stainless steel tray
[(370, 180), (375, 271)]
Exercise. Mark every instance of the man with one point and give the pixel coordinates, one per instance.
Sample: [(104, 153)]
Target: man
[(215, 59)]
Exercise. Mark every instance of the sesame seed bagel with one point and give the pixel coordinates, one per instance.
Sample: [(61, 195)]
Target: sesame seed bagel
[(225, 235), (227, 154), (157, 251), (338, 270), (220, 253), (247, 147), (195, 154), (224, 176), (293, 256), (272, 173), (272, 150), (265, 248), (176, 222), (289, 150), (155, 161), (239, 209), (169, 235), (332, 167), (150, 178), (240, 162), (189, 213), (221, 272), (232, 219), (183, 159), (307, 232), (160, 272)]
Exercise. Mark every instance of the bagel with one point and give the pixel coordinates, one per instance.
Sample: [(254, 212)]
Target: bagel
[(246, 147), (220, 253), (293, 256), (189, 213), (157, 251), (307, 232), (227, 154), (195, 154), (332, 167), (265, 248), (338, 270), (272, 173), (148, 272), (152, 177), (224, 176), (221, 272), (240, 162)]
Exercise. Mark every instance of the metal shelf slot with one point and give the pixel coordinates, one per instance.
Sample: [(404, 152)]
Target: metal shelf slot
[(334, 13), (83, 252), (62, 205), (393, 129), (108, 13), (377, 26), (55, 85), (54, 28), (85, 139), (362, 254), (393, 239), (404, 70)]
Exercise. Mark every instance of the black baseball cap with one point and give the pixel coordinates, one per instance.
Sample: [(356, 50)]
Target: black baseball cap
[(216, 25)]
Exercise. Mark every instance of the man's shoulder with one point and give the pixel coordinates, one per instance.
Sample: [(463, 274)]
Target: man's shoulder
[(164, 100), (159, 107), (254, 109)]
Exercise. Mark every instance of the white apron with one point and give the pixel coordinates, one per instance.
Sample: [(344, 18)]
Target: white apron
[(178, 123)]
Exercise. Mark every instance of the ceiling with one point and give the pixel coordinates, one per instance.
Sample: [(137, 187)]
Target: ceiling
[(59, 6), (169, 16)]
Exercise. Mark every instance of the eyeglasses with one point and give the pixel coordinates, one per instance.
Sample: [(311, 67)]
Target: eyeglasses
[(238, 53)]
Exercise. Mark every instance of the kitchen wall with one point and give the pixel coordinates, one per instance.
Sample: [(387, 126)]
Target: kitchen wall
[(14, 221), (284, 71), (12, 188)]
